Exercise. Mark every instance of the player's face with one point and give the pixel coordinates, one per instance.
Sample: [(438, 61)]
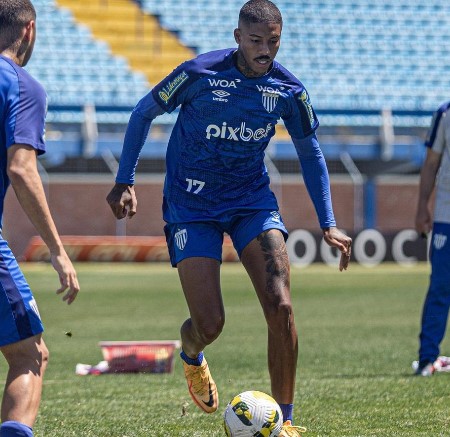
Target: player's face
[(258, 46)]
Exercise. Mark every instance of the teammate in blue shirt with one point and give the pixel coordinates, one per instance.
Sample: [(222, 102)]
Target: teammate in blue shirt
[(22, 116), (435, 174), (230, 101)]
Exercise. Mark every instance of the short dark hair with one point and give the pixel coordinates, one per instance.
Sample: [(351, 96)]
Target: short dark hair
[(260, 11), (14, 15)]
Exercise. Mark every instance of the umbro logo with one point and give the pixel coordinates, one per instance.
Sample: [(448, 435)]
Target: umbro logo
[(275, 216), (221, 94)]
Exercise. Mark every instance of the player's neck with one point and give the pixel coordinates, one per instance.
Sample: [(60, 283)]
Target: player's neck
[(11, 55)]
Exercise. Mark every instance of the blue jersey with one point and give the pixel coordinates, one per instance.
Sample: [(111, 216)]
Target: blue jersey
[(23, 104), (438, 140), (215, 156)]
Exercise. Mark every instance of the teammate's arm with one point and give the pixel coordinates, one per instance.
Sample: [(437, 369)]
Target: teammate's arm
[(26, 182), (428, 174)]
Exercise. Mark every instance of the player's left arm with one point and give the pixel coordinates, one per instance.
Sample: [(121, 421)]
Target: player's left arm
[(317, 181), (301, 122)]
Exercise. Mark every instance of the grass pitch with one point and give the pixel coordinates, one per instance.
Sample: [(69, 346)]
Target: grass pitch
[(358, 335)]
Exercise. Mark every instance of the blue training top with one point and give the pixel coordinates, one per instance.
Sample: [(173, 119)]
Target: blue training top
[(215, 155), (23, 106)]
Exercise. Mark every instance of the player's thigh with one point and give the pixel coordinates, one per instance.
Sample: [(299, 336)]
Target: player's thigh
[(266, 260), (19, 315), (200, 280), (193, 240), (30, 353)]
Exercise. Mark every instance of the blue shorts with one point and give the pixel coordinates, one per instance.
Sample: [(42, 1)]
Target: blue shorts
[(19, 315), (205, 239), (440, 253)]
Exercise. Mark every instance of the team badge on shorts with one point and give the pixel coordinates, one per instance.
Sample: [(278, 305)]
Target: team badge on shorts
[(34, 307), (439, 241), (181, 238)]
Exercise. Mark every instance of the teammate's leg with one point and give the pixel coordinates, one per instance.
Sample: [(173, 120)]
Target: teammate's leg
[(437, 302), (27, 360), (22, 346), (266, 261)]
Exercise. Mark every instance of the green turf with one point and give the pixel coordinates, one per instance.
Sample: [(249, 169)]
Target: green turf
[(358, 336)]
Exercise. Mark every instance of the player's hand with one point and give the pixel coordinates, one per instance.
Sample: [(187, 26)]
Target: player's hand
[(122, 200), (424, 222), (67, 276), (335, 238)]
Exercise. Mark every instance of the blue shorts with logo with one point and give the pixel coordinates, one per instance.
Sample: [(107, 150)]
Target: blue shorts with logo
[(205, 238), (19, 315)]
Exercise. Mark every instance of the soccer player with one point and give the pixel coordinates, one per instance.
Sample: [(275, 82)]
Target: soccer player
[(22, 114), (230, 101), (435, 171)]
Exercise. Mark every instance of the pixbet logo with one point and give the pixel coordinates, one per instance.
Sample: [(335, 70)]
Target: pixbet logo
[(236, 134)]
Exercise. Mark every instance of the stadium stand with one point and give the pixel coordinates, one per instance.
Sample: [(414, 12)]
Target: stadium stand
[(353, 55), (357, 58), (77, 69)]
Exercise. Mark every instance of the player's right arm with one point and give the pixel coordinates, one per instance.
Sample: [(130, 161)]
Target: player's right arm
[(164, 97), (122, 198), (26, 182)]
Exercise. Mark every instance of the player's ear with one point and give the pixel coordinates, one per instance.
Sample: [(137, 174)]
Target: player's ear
[(30, 30), (237, 35)]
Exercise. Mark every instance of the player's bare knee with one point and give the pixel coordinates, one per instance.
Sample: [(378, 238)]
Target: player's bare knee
[(208, 331), (280, 316)]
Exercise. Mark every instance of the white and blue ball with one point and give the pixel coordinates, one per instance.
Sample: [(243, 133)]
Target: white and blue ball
[(253, 414)]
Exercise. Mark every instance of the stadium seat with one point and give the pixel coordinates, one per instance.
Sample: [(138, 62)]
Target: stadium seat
[(355, 57)]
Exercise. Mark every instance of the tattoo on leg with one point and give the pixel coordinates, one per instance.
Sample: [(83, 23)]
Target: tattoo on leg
[(277, 260)]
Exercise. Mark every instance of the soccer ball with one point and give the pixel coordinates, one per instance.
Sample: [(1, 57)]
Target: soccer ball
[(253, 414)]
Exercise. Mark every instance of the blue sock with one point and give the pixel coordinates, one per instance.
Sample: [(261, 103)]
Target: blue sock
[(191, 361), (287, 410), (15, 429)]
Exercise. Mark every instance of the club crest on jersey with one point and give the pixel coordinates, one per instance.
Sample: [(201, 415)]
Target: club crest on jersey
[(168, 91), (269, 97), (439, 241), (181, 238)]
